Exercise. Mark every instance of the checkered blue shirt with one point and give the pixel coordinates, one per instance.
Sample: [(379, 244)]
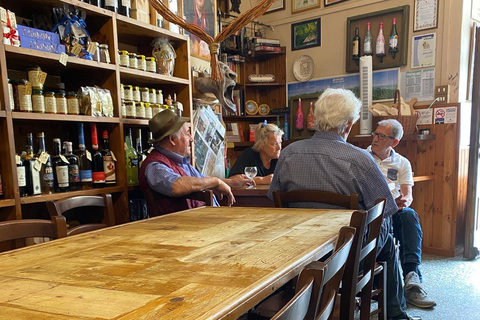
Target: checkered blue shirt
[(327, 162)]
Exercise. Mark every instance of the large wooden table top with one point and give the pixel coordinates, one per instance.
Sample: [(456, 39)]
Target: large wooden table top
[(206, 263)]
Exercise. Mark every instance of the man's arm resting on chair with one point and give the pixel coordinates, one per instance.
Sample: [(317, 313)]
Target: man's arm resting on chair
[(186, 185)]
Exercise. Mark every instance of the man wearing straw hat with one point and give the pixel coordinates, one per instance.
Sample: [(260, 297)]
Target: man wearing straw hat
[(406, 225), (167, 173)]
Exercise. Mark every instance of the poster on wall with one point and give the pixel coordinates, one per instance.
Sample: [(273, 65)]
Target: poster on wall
[(423, 50), (201, 13), (425, 15), (418, 84)]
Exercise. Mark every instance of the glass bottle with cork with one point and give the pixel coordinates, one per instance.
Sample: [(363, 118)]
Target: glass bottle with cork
[(131, 159), (34, 185), (380, 44), (108, 161), (84, 160), (44, 164), (21, 176), (60, 168), (98, 174), (393, 41), (73, 166), (368, 43), (356, 46)]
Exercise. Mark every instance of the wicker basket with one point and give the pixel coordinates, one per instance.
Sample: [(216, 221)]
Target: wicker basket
[(409, 122)]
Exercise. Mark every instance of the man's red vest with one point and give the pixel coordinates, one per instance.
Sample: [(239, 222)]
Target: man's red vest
[(157, 203)]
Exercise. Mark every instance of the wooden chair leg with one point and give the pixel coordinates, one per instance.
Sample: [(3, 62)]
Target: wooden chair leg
[(382, 297)]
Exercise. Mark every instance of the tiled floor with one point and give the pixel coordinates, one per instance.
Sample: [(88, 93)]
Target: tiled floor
[(454, 284)]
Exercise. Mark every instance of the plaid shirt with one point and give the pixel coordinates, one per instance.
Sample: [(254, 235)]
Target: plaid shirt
[(327, 162)]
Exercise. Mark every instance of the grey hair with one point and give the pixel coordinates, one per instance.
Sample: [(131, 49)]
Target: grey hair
[(397, 128), (335, 108), (262, 134)]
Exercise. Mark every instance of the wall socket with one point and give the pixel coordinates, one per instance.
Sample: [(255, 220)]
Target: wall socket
[(442, 93)]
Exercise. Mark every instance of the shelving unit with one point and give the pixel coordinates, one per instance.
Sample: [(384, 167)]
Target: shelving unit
[(119, 32)]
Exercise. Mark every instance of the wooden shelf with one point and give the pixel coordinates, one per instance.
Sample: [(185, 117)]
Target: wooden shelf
[(7, 203), (140, 77), (62, 117), (61, 195), (136, 122), (423, 178), (3, 113)]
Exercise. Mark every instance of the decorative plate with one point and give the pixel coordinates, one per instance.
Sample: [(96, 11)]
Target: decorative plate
[(263, 109), (251, 107), (303, 68)]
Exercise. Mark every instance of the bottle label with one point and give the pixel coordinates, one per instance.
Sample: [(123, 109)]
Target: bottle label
[(72, 106), (62, 176), (380, 47), (355, 47), (140, 112), (50, 105), (131, 110), (111, 3), (38, 103), (146, 96), (73, 173), (98, 177), (36, 182), (126, 3), (148, 113), (48, 177), (393, 43), (86, 175), (367, 47), (61, 105), (22, 181), (132, 162), (109, 169)]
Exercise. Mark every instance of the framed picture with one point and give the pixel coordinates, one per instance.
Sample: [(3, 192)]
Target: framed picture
[(425, 15), (329, 2), (303, 5), (306, 34), (276, 6), (207, 21)]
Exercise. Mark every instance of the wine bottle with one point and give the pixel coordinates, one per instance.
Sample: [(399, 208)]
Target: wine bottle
[(356, 45), (380, 44), (299, 116), (147, 151), (368, 43), (44, 164), (393, 42), (98, 175), (311, 119), (73, 167), (21, 176), (124, 7), (60, 168), (139, 148), (286, 129), (278, 123), (131, 159), (84, 160), (108, 161), (34, 184)]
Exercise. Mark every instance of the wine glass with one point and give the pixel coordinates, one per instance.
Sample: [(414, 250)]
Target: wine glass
[(251, 172)]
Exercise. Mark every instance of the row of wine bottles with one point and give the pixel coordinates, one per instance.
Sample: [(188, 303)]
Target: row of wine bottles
[(379, 44)]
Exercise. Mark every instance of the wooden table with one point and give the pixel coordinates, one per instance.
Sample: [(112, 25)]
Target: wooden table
[(256, 197), (205, 263)]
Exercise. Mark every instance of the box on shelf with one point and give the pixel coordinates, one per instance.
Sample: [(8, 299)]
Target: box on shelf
[(38, 34), (35, 44), (141, 10), (8, 24)]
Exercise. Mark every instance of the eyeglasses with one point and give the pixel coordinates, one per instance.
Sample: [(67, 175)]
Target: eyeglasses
[(381, 136)]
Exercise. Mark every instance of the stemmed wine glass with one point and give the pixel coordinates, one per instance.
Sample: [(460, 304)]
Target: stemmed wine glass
[(251, 172)]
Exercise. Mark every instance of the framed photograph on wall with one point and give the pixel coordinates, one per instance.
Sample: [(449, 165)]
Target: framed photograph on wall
[(306, 34), (303, 5), (330, 2), (276, 6), (425, 15), (201, 13)]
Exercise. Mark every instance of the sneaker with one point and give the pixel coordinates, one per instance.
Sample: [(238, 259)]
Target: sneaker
[(414, 293)]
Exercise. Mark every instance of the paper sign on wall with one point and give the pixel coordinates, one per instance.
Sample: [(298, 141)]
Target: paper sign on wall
[(451, 115), (424, 116), (439, 115)]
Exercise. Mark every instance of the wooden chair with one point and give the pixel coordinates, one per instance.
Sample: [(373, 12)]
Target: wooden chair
[(326, 277), (61, 207), (282, 198), (153, 210), (29, 228), (358, 276)]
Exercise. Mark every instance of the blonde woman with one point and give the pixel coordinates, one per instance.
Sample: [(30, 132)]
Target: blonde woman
[(263, 155)]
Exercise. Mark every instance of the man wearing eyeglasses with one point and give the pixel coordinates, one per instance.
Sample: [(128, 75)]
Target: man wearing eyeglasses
[(406, 225)]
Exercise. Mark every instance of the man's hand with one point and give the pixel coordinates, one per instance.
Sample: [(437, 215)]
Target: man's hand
[(239, 181), (401, 202), (224, 189), (264, 180)]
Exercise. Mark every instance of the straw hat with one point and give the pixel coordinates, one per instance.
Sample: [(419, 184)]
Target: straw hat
[(164, 124)]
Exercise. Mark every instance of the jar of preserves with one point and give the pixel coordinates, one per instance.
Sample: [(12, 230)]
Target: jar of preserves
[(61, 102), (38, 101), (128, 92), (140, 110), (145, 94), (72, 103), (50, 102), (141, 62), (122, 92), (150, 64), (132, 58), (96, 55), (22, 94), (10, 95), (156, 108), (123, 58), (148, 111), (130, 110), (104, 53), (136, 94), (160, 97), (124, 109), (34, 77)]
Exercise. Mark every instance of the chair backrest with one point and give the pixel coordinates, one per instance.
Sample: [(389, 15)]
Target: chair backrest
[(30, 228), (297, 307), (154, 211), (358, 276), (282, 198), (60, 207)]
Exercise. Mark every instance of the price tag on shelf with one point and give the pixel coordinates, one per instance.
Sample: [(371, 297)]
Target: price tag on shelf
[(89, 155), (92, 47), (76, 49), (37, 165), (64, 159), (43, 157), (63, 58), (18, 160), (113, 156)]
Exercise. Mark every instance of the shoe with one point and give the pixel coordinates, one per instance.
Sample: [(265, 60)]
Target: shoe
[(414, 293), (405, 316)]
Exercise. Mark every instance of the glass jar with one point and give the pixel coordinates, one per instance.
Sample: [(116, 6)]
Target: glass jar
[(50, 102), (22, 94), (148, 111), (130, 110), (141, 62), (132, 58), (61, 102), (10, 95), (122, 92), (38, 101), (160, 97), (153, 96), (156, 108), (150, 64), (136, 94), (96, 55), (128, 92), (104, 53), (140, 110), (145, 94), (34, 77), (72, 103), (124, 109), (123, 58)]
